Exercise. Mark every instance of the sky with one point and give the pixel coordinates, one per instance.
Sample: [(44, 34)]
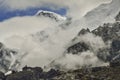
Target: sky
[(13, 8), (28, 12)]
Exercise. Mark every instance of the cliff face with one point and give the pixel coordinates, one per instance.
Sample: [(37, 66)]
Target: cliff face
[(117, 18)]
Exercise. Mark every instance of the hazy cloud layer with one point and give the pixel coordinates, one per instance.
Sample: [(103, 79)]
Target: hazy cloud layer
[(15, 32)]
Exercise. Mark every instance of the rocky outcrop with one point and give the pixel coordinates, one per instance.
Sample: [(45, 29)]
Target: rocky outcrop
[(117, 18), (51, 15), (84, 31), (2, 76), (6, 57), (78, 47)]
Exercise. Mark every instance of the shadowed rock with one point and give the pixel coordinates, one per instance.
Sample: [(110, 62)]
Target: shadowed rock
[(78, 47)]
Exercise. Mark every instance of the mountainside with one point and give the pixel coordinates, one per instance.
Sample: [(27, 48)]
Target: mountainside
[(65, 50), (109, 51), (83, 45), (102, 14), (62, 24), (93, 48), (110, 34)]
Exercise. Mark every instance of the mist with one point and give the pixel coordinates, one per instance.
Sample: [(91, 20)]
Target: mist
[(34, 52), (20, 33)]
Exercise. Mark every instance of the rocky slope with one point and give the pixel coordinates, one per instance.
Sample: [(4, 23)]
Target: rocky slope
[(95, 73), (110, 34), (103, 42)]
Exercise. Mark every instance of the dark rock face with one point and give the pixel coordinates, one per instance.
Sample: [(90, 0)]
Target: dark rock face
[(115, 63), (115, 45), (24, 75), (107, 32), (117, 18), (28, 73), (83, 31), (110, 32), (49, 14), (35, 73), (95, 69), (5, 54), (52, 73), (36, 69), (78, 47), (2, 76)]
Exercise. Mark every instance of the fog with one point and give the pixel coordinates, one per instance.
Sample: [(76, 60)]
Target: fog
[(20, 33)]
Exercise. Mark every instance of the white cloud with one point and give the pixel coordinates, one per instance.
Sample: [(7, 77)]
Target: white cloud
[(15, 34), (96, 42), (24, 25), (16, 29), (71, 61), (87, 58)]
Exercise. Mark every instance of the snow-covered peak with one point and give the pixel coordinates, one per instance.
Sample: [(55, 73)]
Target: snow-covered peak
[(51, 15)]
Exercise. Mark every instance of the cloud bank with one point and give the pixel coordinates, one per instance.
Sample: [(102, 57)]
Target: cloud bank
[(15, 32)]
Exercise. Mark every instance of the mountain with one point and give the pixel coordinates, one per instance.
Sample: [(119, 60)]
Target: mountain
[(102, 14), (53, 44), (102, 44), (109, 33), (46, 41), (62, 23), (51, 15)]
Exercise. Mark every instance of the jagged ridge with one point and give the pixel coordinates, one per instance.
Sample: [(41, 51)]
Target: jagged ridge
[(51, 15)]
